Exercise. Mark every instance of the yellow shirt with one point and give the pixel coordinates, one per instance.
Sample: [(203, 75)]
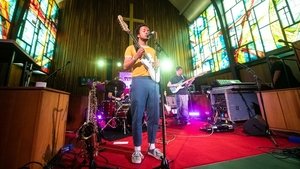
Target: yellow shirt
[(139, 69)]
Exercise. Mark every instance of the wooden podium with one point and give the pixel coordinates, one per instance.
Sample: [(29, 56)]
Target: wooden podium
[(33, 124), (282, 109)]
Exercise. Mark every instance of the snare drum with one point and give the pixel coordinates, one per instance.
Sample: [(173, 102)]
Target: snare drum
[(109, 107)]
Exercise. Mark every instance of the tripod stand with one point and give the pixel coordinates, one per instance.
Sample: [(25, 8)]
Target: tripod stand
[(268, 131), (258, 84)]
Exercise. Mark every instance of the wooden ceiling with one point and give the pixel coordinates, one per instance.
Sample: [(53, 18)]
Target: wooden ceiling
[(190, 9)]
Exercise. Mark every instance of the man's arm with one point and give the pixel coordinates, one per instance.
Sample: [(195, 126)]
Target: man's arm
[(111, 96), (190, 82), (276, 75), (130, 60)]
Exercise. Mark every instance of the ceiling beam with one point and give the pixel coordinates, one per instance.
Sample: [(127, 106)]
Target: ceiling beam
[(186, 6)]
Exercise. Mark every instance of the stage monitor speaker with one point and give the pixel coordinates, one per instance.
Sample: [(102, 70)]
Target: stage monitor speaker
[(255, 126), (200, 103)]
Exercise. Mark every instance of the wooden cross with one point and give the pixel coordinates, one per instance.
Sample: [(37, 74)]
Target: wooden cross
[(132, 20)]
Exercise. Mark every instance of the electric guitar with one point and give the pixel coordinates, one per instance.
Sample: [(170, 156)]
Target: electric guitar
[(146, 59), (180, 85)]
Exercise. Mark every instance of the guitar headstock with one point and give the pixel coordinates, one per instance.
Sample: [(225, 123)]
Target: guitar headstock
[(123, 25)]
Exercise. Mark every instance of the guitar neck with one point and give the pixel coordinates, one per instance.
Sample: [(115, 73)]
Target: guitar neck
[(194, 77), (137, 45), (188, 80), (135, 42)]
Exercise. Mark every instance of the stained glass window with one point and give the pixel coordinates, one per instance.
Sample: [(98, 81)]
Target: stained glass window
[(7, 8), (207, 43), (289, 14), (254, 28), (38, 31)]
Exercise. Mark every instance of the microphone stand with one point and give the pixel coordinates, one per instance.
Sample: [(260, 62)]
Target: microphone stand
[(164, 161), (56, 71), (258, 84)]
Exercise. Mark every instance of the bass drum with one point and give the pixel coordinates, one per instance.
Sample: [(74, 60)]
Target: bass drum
[(109, 108)]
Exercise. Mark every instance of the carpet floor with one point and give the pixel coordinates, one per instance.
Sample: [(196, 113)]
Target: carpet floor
[(186, 147)]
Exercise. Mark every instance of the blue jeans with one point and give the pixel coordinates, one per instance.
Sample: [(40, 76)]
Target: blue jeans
[(182, 107), (144, 96)]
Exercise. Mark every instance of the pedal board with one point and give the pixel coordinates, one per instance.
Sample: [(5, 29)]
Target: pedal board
[(218, 127)]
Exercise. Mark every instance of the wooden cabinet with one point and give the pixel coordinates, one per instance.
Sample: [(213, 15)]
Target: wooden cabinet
[(282, 108), (33, 124)]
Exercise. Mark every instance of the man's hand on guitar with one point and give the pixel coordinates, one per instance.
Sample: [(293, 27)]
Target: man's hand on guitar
[(175, 85), (156, 64), (139, 53), (190, 82)]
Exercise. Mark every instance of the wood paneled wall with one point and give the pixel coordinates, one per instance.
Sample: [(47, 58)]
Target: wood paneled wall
[(89, 30)]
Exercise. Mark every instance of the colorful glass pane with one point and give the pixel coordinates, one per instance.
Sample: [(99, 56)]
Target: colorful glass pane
[(7, 9), (208, 50), (38, 31), (254, 28)]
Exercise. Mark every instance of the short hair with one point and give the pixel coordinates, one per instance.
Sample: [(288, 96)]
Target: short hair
[(178, 67), (137, 29)]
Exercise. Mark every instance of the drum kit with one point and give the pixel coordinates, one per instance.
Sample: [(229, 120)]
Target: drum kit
[(115, 111)]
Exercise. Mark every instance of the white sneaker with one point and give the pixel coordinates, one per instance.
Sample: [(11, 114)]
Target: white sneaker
[(156, 153), (137, 157)]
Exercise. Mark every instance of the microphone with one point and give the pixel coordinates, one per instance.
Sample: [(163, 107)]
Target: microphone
[(151, 34), (55, 72)]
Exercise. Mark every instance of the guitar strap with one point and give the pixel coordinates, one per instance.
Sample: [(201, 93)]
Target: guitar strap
[(136, 48)]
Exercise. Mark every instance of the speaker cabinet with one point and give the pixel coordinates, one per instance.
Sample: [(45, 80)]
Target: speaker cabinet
[(200, 103), (237, 105)]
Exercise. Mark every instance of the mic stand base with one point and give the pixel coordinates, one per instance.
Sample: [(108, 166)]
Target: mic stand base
[(164, 164), (268, 132)]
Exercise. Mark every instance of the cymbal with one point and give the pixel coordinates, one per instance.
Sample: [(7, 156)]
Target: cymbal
[(115, 84), (100, 87)]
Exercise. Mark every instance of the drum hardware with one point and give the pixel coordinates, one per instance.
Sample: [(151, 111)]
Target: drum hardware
[(115, 110), (116, 116)]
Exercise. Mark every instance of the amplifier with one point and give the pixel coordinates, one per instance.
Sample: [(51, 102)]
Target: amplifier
[(236, 105)]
